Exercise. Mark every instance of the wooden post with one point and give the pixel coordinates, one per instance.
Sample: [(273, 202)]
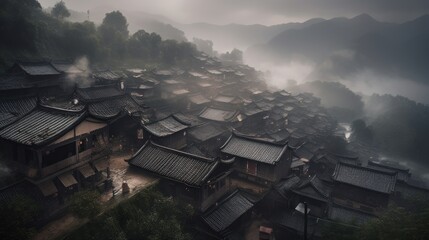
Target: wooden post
[(305, 220)]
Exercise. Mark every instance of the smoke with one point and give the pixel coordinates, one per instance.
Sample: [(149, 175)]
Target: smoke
[(80, 72)]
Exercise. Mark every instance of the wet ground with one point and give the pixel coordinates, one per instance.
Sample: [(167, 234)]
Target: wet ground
[(119, 172)]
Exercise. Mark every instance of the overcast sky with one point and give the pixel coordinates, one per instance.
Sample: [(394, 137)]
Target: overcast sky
[(265, 12)]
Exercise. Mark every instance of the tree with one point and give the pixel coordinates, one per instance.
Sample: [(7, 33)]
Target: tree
[(85, 204), (80, 39), (60, 11), (204, 45), (18, 214), (234, 56), (139, 44), (361, 131), (114, 34), (117, 22)]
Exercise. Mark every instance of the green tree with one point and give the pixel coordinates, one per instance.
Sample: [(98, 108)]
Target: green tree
[(114, 34), (85, 204), (361, 131), (80, 39), (17, 215), (139, 44), (60, 11), (397, 224)]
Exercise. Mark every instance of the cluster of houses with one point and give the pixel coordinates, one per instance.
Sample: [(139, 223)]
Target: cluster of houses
[(214, 135)]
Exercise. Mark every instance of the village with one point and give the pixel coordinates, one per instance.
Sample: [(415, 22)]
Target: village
[(251, 160)]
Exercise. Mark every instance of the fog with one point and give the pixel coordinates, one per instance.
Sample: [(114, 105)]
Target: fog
[(295, 42), (266, 12)]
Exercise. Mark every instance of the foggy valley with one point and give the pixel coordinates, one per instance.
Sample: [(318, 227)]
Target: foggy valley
[(192, 119)]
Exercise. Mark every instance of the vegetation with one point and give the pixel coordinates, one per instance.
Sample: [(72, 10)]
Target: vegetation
[(148, 215), (341, 102), (17, 216), (29, 33), (234, 56), (361, 131), (85, 204), (395, 224), (60, 11), (399, 126)]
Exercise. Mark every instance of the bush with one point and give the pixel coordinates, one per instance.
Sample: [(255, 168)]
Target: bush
[(85, 204)]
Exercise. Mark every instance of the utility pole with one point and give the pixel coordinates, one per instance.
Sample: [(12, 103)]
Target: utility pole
[(305, 220)]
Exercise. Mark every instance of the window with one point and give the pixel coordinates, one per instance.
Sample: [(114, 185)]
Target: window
[(53, 156), (251, 167), (83, 144)]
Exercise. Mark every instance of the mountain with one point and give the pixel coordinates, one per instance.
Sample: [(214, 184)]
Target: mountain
[(227, 37), (341, 47), (137, 20)]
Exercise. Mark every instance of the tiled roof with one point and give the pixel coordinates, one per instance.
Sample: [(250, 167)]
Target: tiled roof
[(227, 211), (348, 215), (256, 150), (40, 126), (320, 186), (188, 119), (62, 104), (206, 132), (165, 127), (287, 184), (66, 67), (11, 109), (251, 110), (224, 99), (106, 75), (314, 188), (303, 152), (174, 165), (97, 93), (365, 178), (198, 99), (218, 114), (38, 68), (403, 174), (113, 107)]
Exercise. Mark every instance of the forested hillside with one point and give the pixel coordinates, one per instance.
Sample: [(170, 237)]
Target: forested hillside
[(30, 33)]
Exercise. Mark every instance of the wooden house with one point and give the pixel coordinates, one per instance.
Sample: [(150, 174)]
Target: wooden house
[(208, 138), (53, 147), (362, 188), (198, 180), (256, 160), (170, 132), (229, 213)]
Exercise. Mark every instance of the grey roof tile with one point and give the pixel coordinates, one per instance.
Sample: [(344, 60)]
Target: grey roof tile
[(227, 212), (219, 115), (41, 126), (113, 107), (256, 150), (173, 164), (38, 68), (205, 132), (165, 127), (365, 178), (12, 109)]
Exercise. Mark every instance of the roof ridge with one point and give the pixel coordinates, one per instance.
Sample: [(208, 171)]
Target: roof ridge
[(243, 136), (367, 169), (208, 160)]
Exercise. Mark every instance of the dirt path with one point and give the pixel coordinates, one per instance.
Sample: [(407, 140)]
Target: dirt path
[(120, 172)]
